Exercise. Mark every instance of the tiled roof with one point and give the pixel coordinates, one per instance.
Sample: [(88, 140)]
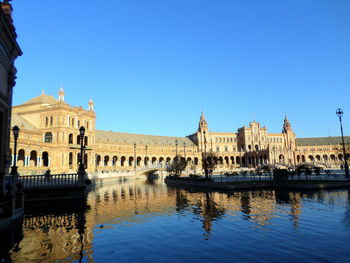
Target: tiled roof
[(21, 122), (42, 99), (129, 138), (322, 141)]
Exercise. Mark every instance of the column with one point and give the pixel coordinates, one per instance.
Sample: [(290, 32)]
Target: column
[(49, 161)]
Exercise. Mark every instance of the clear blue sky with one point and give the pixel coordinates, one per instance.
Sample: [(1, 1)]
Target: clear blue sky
[(152, 66)]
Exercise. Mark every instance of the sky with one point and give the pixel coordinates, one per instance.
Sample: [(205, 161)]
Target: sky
[(152, 66)]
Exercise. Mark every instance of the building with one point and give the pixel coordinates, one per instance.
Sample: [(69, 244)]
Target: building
[(9, 51), (50, 140)]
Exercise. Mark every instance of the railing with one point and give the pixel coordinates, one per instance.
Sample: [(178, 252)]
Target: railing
[(49, 181), (151, 166)]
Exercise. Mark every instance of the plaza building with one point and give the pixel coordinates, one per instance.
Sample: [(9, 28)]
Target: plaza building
[(49, 139)]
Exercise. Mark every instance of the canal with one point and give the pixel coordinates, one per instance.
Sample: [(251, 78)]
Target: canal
[(140, 221)]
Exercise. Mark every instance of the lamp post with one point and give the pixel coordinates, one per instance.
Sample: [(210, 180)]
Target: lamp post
[(146, 161), (81, 136), (15, 131), (340, 114), (135, 155), (176, 144)]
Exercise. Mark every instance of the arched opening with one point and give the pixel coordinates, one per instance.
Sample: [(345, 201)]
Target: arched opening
[(131, 161), (298, 158), (249, 147), (161, 160), (168, 160), (311, 158), (195, 160), (21, 158), (303, 158), (138, 161), (122, 161), (114, 161), (86, 140), (48, 137), (232, 158), (318, 158), (281, 158), (340, 157), (78, 139), (226, 160), (221, 161), (70, 138), (106, 161), (146, 160), (45, 158), (189, 160), (70, 160), (238, 160), (73, 121), (33, 158), (154, 160), (332, 157), (325, 158), (86, 160), (256, 147)]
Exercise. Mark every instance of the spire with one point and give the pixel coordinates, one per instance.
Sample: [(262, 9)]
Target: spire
[(203, 125), (91, 105), (61, 94), (286, 125)]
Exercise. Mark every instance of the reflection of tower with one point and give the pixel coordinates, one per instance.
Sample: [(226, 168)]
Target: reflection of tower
[(295, 207), (245, 204)]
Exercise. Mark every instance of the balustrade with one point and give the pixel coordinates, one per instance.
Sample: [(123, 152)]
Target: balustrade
[(49, 181)]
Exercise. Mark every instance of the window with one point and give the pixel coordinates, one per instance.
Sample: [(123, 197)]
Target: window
[(48, 137), (226, 148), (78, 123), (72, 122), (46, 121), (51, 121), (217, 148)]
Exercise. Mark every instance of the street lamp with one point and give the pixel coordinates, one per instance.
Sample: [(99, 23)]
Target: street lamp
[(134, 155), (176, 144), (81, 136), (15, 131), (340, 114)]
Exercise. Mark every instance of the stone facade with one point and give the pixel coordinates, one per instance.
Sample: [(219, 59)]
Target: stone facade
[(49, 140)]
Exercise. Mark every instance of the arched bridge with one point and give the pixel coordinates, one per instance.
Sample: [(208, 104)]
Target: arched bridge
[(149, 169)]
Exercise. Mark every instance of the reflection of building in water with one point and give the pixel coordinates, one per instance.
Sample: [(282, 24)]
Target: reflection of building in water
[(49, 139), (51, 237)]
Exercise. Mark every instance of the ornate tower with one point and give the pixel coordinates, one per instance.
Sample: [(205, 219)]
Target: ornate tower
[(203, 133), (289, 142)]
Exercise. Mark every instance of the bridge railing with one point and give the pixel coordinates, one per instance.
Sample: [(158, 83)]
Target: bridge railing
[(152, 166), (49, 181)]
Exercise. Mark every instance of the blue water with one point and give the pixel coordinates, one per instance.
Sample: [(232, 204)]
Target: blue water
[(135, 221)]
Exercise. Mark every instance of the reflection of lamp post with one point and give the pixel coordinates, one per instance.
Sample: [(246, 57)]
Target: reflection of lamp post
[(81, 161), (340, 114), (15, 131), (134, 155)]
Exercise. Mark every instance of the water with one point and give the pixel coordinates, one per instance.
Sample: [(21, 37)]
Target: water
[(135, 221)]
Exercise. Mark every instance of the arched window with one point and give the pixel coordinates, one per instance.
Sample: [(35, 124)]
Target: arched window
[(48, 137), (45, 158), (46, 121), (86, 140), (51, 121), (78, 139), (73, 122)]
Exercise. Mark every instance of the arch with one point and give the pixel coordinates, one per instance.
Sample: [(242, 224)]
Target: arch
[(311, 158), (226, 160), (340, 157), (45, 158), (189, 160), (168, 160), (154, 160), (238, 160), (106, 161), (138, 161), (221, 160), (98, 160), (249, 147), (281, 158), (114, 161), (131, 161), (70, 159), (48, 137), (78, 139), (70, 138), (161, 159), (298, 158), (232, 158), (256, 147), (195, 160), (33, 158), (86, 141), (146, 161), (303, 158), (21, 158), (318, 158), (122, 160), (325, 157), (332, 157)]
